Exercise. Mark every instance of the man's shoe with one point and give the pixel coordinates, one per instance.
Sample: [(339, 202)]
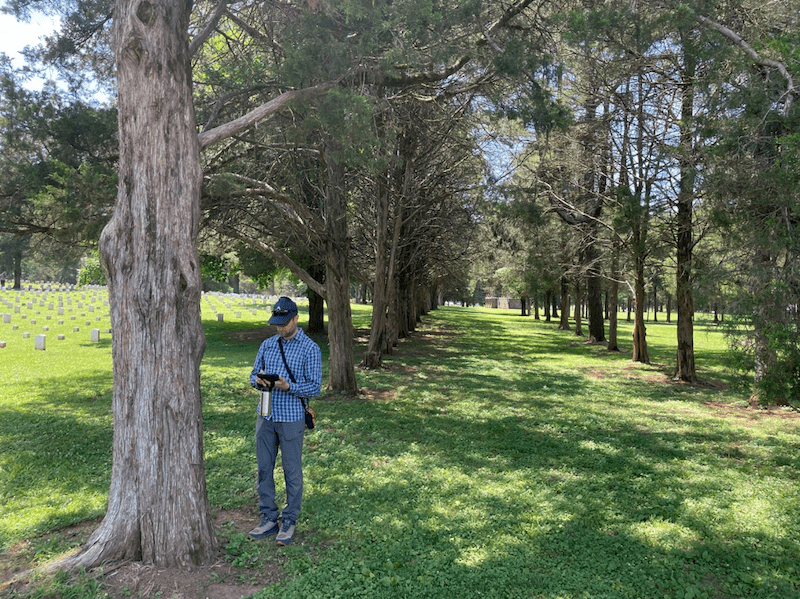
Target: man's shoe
[(285, 535), (266, 528)]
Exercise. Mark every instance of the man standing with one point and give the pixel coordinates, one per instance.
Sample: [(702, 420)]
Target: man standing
[(297, 362)]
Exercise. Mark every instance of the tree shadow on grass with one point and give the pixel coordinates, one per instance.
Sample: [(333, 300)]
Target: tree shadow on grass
[(55, 463), (553, 502), (474, 480)]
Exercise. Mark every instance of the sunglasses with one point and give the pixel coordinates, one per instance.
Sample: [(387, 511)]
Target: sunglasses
[(281, 312)]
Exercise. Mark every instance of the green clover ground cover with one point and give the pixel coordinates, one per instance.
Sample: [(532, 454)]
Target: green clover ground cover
[(492, 456)]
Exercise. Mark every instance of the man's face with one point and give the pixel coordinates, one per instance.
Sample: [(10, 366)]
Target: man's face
[(288, 330)]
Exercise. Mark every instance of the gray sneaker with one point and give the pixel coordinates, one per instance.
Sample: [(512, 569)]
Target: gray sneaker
[(285, 535), (266, 528)]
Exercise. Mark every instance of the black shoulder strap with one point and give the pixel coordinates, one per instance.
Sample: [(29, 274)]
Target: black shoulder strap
[(285, 363), (303, 400)]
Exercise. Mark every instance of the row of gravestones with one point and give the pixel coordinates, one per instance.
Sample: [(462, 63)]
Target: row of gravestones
[(42, 297), (227, 299), (31, 298), (40, 341)]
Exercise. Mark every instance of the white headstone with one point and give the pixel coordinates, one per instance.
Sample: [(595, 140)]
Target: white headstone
[(39, 342), (95, 334)]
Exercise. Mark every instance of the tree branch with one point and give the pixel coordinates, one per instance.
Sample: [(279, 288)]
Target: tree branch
[(267, 109), (212, 119), (275, 254), (758, 59), (306, 220), (201, 37), (256, 34)]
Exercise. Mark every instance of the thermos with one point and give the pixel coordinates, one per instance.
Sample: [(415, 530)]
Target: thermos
[(265, 405)]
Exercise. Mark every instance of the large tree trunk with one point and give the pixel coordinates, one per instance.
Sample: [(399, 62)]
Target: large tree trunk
[(640, 353), (405, 307), (578, 306), (158, 510), (594, 297), (17, 258), (378, 329), (564, 322), (685, 367), (342, 375), (316, 303), (613, 293), (548, 299)]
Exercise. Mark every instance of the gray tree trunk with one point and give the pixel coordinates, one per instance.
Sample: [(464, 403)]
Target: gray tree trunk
[(158, 510), (337, 278)]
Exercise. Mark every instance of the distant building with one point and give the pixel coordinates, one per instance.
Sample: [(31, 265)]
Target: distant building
[(503, 303)]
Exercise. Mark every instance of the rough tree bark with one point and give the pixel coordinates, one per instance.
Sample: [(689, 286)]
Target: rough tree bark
[(594, 292), (685, 365), (385, 328), (378, 334), (613, 293), (337, 276), (158, 510), (640, 353), (316, 303), (578, 306), (564, 322)]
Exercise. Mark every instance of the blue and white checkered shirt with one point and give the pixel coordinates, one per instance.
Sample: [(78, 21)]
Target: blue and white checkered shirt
[(305, 360)]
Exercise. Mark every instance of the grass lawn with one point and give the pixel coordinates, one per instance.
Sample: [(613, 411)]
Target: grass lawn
[(492, 456)]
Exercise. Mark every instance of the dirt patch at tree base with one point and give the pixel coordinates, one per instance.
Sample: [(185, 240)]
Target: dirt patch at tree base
[(220, 580)]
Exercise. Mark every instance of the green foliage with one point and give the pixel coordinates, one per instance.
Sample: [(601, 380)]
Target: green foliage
[(214, 268), (773, 316), (345, 116), (91, 273)]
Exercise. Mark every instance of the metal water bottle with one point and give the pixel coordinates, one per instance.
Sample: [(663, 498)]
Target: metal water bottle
[(265, 405)]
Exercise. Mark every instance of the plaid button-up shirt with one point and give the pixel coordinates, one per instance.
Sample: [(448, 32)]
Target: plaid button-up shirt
[(305, 359)]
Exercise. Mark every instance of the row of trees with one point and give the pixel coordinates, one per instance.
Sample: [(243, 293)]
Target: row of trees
[(352, 140), (683, 139)]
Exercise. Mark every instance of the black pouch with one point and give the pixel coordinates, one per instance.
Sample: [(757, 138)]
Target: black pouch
[(311, 417)]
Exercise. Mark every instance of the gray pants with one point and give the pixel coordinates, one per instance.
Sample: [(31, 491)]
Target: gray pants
[(289, 437)]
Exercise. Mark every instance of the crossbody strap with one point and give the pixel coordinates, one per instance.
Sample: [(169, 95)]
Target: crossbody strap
[(303, 400)]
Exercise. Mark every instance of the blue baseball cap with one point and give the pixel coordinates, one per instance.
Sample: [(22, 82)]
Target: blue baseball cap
[(283, 311)]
